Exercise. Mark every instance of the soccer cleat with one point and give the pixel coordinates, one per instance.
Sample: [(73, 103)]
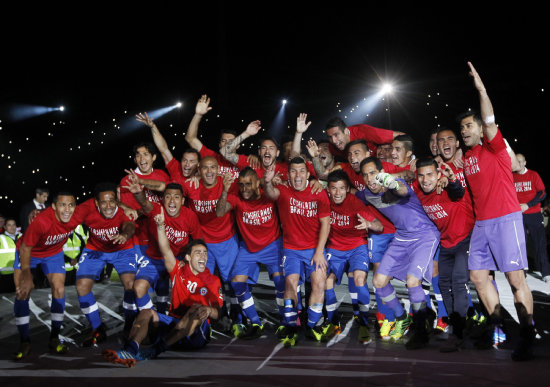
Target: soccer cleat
[(23, 351), (57, 346), (98, 335), (401, 328), (386, 328), (120, 357), (498, 336), (287, 335), (315, 333), (146, 354), (238, 330), (364, 334), (380, 318), (282, 332), (252, 332), (441, 325), (330, 330)]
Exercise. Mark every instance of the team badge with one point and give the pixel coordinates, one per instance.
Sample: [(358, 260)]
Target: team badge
[(203, 291)]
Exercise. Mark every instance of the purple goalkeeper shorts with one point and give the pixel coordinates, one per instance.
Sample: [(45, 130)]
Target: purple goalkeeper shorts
[(498, 244)]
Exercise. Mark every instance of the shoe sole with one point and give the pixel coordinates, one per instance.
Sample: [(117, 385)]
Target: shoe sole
[(112, 357)]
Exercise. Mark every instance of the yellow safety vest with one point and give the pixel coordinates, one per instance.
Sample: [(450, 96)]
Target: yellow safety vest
[(7, 254), (74, 245)]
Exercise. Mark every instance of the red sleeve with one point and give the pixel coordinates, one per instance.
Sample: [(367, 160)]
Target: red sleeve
[(175, 171), (392, 168), (154, 211), (33, 232), (370, 133), (324, 204), (233, 199), (242, 162), (311, 170), (539, 185), (205, 152), (83, 210), (497, 144), (364, 210)]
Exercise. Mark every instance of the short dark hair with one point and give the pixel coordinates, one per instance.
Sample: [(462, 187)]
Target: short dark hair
[(63, 193), (191, 150), (151, 148), (374, 160), (336, 121), (41, 190), (247, 171), (323, 141), (338, 175), (104, 186), (297, 160), (356, 142), (193, 243), (444, 128), (228, 131), (269, 138), (470, 113), (407, 141), (8, 219), (434, 131), (426, 162), (173, 186)]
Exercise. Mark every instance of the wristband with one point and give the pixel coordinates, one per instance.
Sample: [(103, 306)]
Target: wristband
[(490, 119)]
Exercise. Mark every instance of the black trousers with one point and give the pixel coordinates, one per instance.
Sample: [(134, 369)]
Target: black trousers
[(534, 223), (454, 277)]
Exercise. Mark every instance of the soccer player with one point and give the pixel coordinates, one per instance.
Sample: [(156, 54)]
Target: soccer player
[(42, 244), (347, 249), (323, 161), (499, 225), (452, 213), (531, 192), (110, 241), (181, 225), (433, 143), (305, 219), (383, 152), (402, 151), (339, 135), (196, 298), (258, 223), (409, 257)]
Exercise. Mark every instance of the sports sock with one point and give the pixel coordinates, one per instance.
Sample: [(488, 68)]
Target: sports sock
[(88, 305), (21, 311), (246, 301), (57, 312)]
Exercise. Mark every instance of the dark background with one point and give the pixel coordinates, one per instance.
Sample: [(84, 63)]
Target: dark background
[(104, 63)]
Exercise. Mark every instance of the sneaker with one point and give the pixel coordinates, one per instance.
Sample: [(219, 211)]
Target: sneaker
[(252, 332), (386, 328), (441, 325), (315, 333), (291, 337), (96, 336), (237, 330), (401, 328), (524, 349), (380, 318), (23, 351), (364, 334), (499, 336), (146, 354), (419, 339), (120, 357), (330, 330), (282, 331), (57, 346)]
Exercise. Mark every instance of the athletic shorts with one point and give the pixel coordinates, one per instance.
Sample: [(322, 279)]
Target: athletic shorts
[(247, 263), (223, 256), (410, 257), (498, 244), (92, 262), (154, 272), (52, 264), (298, 262), (347, 260), (378, 244), (196, 340)]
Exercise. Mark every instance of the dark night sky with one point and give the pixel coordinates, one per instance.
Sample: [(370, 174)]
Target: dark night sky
[(100, 62)]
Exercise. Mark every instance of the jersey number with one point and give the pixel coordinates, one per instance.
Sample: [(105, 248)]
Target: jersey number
[(191, 286)]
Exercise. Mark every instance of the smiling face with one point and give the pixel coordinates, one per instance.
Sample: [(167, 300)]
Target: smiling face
[(11, 226), (189, 164), (338, 191), (64, 208), (427, 178), (107, 204), (224, 139), (172, 200), (338, 137), (249, 187), (297, 176), (268, 153), (369, 172), (433, 144), (447, 144), (144, 160), (356, 154), (471, 131), (208, 171), (400, 156), (197, 258), (383, 152)]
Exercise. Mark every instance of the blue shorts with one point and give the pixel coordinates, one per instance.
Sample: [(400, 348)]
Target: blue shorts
[(92, 262), (52, 264), (153, 271), (298, 262), (140, 250), (339, 261), (196, 340), (248, 263), (223, 255), (378, 244)]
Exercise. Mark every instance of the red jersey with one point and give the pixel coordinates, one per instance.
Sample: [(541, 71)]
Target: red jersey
[(373, 136), (343, 219), (488, 171), (101, 229), (454, 219), (527, 185), (47, 235), (355, 178), (281, 168), (189, 289), (225, 166), (459, 173), (257, 221), (300, 212), (178, 229)]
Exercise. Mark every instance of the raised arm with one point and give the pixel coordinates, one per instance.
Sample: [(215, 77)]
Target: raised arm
[(318, 166), (301, 127), (486, 108), (222, 206), (164, 245), (270, 191), (229, 151), (158, 139), (202, 107), (387, 180), (132, 185)]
